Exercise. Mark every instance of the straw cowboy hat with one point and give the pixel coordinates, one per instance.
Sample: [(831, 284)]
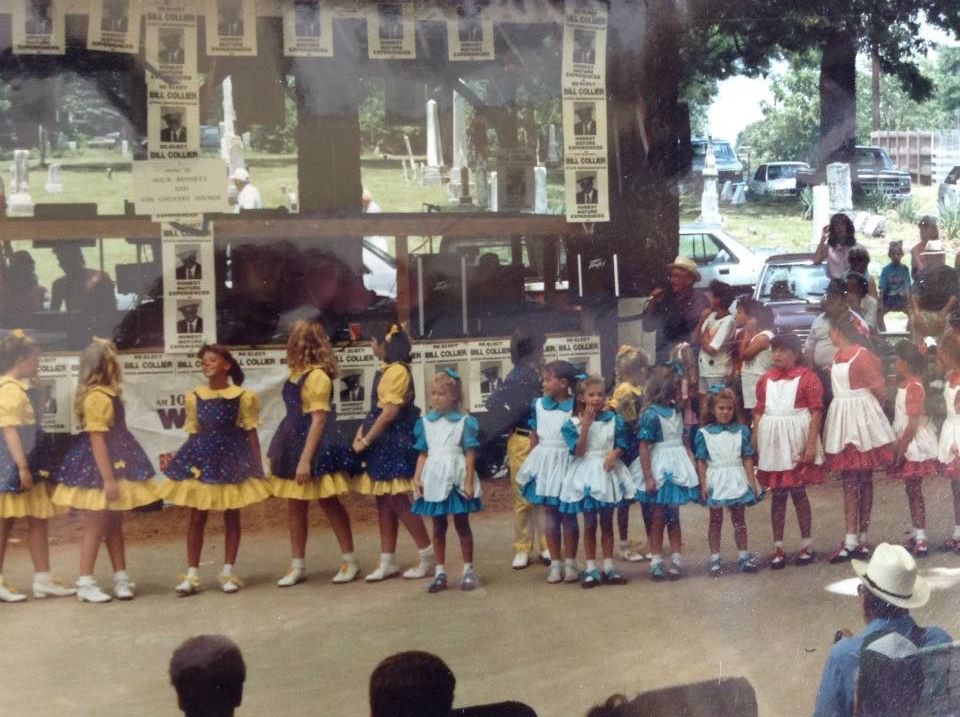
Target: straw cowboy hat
[(891, 575), (685, 263)]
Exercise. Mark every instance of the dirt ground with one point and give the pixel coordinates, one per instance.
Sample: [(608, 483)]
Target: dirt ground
[(310, 649)]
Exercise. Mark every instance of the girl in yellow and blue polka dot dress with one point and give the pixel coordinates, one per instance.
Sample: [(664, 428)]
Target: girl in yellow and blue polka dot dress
[(23, 492), (105, 471), (219, 467)]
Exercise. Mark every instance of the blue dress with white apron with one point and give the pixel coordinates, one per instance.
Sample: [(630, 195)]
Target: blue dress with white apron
[(444, 438), (723, 447), (542, 474), (587, 485), (673, 470)]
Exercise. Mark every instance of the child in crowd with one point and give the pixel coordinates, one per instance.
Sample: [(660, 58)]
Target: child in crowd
[(715, 334), (859, 260), (445, 478), (633, 371), (664, 469), (596, 480), (916, 439), (857, 436), (859, 299), (541, 476), (105, 471), (23, 466), (219, 466), (385, 445), (755, 322), (308, 460), (508, 412), (836, 241), (786, 435), (725, 466), (948, 452), (894, 282)]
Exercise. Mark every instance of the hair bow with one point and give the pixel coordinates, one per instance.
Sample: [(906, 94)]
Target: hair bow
[(624, 350), (452, 373), (394, 330), (581, 377), (18, 334), (716, 388)]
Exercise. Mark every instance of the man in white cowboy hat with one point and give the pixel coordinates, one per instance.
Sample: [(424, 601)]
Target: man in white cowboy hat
[(889, 588), (673, 311), (248, 196)]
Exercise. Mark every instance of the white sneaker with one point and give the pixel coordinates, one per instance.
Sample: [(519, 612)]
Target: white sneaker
[(294, 577), (520, 561), (422, 570), (555, 575), (570, 574), (348, 573), (91, 593), (52, 588), (8, 593), (123, 589), (383, 572), (189, 585), (230, 583)]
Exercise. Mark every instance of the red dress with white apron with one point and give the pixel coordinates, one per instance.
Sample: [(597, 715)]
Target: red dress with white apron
[(948, 452), (858, 436), (786, 399), (921, 454)]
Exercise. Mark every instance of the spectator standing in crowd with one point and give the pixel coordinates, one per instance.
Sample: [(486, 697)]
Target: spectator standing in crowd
[(87, 292), (836, 240), (889, 588), (859, 261), (248, 196), (894, 282), (819, 350), (935, 292), (412, 684), (674, 312), (753, 346), (20, 291), (508, 411), (927, 224), (716, 335), (208, 673), (860, 300)]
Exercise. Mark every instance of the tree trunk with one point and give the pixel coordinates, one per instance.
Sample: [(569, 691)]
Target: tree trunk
[(838, 101), (875, 91)]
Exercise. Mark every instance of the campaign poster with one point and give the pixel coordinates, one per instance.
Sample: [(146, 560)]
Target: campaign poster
[(39, 27), (231, 27), (171, 188), (307, 28), (354, 385), (584, 43), (55, 388), (441, 357), (173, 120), (584, 122), (581, 351), (391, 30), (189, 301), (470, 36), (114, 26), (348, 9), (586, 189), (170, 43), (490, 363), (515, 179)]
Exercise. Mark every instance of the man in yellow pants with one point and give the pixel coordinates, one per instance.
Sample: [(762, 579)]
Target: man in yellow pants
[(508, 411)]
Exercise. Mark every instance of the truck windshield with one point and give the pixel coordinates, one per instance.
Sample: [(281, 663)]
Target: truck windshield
[(873, 158)]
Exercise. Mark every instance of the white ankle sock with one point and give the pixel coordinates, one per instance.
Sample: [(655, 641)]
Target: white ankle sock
[(778, 544), (41, 577), (921, 534), (387, 558), (956, 532), (467, 567), (677, 559), (806, 543), (555, 564), (714, 556), (607, 565), (656, 560), (850, 541), (298, 563), (121, 575), (863, 538), (742, 554), (440, 570), (227, 569), (426, 553), (85, 580), (570, 563), (193, 572), (349, 558), (591, 565)]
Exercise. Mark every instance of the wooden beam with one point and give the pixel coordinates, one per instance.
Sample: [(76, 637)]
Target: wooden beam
[(403, 282), (296, 227)]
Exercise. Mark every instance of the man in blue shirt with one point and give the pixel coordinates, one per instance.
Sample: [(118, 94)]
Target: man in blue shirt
[(889, 588)]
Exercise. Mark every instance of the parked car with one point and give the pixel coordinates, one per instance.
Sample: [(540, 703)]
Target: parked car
[(729, 166), (379, 270), (776, 179), (792, 286), (948, 193), (872, 170), (719, 256)]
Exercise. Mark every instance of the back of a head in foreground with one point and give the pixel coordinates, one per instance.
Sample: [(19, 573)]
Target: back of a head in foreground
[(411, 684), (208, 673)]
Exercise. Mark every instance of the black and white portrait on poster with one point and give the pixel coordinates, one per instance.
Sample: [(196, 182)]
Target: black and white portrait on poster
[(231, 27), (307, 28), (173, 121), (114, 26), (390, 30), (38, 27), (470, 36)]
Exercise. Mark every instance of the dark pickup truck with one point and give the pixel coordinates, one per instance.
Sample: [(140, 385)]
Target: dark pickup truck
[(872, 171)]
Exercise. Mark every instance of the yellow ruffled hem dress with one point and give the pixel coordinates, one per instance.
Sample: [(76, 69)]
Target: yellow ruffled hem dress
[(133, 494), (319, 488), (193, 493), (33, 503), (365, 485)]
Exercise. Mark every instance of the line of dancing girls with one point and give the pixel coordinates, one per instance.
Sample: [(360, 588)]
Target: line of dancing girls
[(589, 456)]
